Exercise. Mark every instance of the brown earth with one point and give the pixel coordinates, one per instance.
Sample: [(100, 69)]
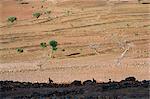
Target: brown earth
[(78, 26)]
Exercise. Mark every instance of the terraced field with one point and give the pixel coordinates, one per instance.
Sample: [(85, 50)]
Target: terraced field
[(100, 39)]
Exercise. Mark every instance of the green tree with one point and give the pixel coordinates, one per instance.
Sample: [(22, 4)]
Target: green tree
[(53, 45)]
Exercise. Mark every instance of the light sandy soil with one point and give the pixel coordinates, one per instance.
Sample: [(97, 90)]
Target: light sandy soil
[(110, 27)]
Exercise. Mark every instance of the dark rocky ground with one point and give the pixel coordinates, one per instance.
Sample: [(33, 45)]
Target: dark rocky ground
[(130, 88)]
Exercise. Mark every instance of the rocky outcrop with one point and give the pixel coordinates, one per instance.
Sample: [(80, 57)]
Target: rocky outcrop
[(76, 83), (76, 88)]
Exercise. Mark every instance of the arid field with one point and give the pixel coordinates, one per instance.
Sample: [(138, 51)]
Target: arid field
[(96, 39)]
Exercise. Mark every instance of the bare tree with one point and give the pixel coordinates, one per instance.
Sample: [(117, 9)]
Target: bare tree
[(123, 54)]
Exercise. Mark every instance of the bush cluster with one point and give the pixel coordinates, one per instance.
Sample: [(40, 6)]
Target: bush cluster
[(43, 44), (19, 50), (12, 19), (37, 14)]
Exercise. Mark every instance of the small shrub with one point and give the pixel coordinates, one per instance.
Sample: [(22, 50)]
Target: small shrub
[(63, 50), (47, 12), (43, 45), (19, 50), (37, 15), (43, 0), (12, 19), (68, 13)]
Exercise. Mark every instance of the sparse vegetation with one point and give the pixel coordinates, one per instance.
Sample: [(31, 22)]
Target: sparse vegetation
[(19, 50), (68, 12), (84, 36), (47, 12), (43, 44), (43, 0), (12, 19), (37, 14)]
